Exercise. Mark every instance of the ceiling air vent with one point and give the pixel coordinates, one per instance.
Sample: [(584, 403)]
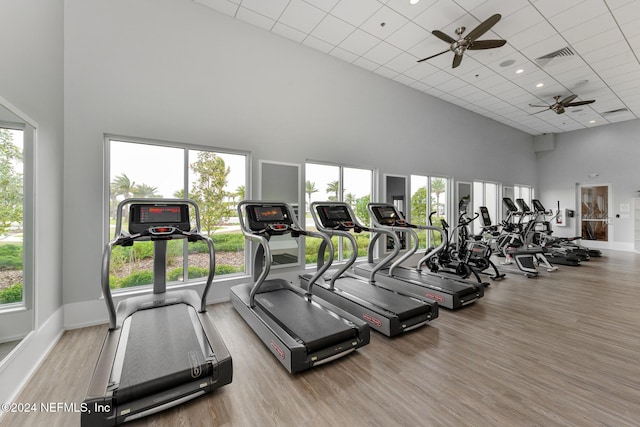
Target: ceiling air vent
[(617, 110), (545, 59)]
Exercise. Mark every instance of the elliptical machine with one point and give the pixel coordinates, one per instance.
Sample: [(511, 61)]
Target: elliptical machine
[(465, 256)]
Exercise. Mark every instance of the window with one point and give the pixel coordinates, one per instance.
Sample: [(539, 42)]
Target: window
[(484, 194), (338, 183), (11, 215), (216, 180), (429, 195)]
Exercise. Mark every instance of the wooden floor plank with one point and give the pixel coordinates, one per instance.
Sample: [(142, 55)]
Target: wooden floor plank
[(561, 349)]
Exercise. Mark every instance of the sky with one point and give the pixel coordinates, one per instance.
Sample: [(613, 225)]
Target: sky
[(163, 167)]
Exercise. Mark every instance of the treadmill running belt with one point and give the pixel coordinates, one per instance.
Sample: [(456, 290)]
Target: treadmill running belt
[(163, 351), (316, 328)]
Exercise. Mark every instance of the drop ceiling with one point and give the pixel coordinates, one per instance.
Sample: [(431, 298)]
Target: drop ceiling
[(590, 48)]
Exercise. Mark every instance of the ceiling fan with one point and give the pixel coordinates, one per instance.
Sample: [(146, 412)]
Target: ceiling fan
[(469, 41), (560, 106)]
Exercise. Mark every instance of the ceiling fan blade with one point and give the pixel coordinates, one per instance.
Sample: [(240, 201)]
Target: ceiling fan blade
[(537, 105), (565, 102), (433, 56), (457, 59), (575, 104), (483, 27), (486, 44), (538, 112), (442, 36)]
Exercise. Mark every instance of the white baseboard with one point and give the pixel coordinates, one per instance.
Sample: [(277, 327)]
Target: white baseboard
[(23, 361)]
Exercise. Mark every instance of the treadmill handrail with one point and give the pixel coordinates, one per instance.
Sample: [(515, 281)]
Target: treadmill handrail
[(336, 232), (409, 229), (264, 242), (121, 238)]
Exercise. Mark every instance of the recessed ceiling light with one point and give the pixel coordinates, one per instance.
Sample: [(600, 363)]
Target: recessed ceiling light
[(540, 85), (592, 121), (519, 71), (414, 1)]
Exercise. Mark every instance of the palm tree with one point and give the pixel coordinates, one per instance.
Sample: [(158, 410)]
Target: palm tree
[(310, 188), (333, 187), (179, 194), (350, 199), (145, 191), (122, 186), (240, 192), (438, 186)]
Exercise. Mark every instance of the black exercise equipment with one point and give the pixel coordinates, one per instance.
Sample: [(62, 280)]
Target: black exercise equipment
[(300, 331), (161, 350), (448, 291), (387, 312)]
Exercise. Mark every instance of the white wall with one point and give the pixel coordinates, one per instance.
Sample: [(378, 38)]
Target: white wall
[(178, 71), (31, 79), (613, 152)]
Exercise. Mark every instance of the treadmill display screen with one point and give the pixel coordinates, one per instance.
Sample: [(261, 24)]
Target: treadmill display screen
[(336, 213), (386, 215), (269, 213), (144, 216), (160, 214), (508, 202)]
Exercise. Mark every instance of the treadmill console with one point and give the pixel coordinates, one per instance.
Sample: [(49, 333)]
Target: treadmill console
[(158, 218), (273, 219), (537, 205), (486, 218), (523, 205), (387, 215), (508, 202), (335, 216)]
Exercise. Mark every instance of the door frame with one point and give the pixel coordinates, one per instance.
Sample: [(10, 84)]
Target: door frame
[(610, 208)]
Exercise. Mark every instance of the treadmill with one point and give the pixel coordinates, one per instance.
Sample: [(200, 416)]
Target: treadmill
[(300, 331), (449, 292), (387, 312), (161, 349)]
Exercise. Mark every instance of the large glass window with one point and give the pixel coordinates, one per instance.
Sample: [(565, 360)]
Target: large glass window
[(429, 195), (216, 180), (338, 183), (11, 216), (484, 194)]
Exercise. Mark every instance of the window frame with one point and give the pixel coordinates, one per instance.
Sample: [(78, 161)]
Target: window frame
[(185, 147)]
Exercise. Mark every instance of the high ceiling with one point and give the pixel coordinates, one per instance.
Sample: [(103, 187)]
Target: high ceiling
[(590, 48)]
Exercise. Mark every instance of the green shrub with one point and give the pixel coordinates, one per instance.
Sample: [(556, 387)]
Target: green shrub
[(229, 242), (228, 269), (139, 278), (193, 272), (10, 257), (11, 294)]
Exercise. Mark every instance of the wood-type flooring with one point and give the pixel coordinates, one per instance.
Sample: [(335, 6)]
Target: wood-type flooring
[(562, 349)]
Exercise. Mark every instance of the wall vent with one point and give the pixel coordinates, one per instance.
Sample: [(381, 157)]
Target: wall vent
[(545, 59), (617, 110)]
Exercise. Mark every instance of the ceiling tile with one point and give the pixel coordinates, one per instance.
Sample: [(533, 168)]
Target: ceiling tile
[(387, 72), (288, 32), (325, 5), (585, 11), (355, 12), (591, 28), (408, 36), (630, 12), (271, 9), (441, 15), (404, 62), (302, 16), (332, 30), (391, 19), (359, 42), (224, 6), (517, 22), (382, 53), (551, 8), (318, 44), (366, 64), (254, 18), (343, 54), (408, 10)]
